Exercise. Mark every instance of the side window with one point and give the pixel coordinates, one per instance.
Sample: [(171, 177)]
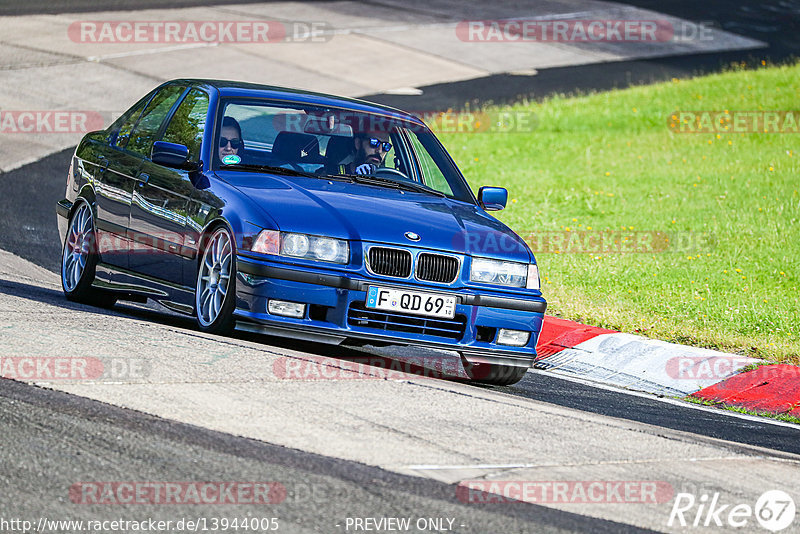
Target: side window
[(391, 160), (128, 122), (188, 124), (432, 176), (144, 134)]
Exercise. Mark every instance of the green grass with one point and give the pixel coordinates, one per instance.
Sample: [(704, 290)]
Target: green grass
[(610, 161)]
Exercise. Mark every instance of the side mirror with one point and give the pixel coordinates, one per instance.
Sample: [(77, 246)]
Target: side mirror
[(492, 198), (170, 154)]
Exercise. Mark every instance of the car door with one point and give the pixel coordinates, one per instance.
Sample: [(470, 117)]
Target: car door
[(114, 176), (161, 196)]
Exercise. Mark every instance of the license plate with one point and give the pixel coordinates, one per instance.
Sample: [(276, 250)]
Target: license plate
[(416, 302)]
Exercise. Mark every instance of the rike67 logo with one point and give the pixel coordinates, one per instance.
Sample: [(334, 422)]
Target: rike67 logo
[(774, 510)]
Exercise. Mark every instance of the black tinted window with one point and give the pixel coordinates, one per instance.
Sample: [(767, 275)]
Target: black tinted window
[(188, 124), (141, 140)]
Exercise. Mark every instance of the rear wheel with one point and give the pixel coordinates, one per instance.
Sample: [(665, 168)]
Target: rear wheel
[(215, 293), (79, 261), (494, 374)]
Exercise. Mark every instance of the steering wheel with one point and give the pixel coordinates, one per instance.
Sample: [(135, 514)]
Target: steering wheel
[(392, 173)]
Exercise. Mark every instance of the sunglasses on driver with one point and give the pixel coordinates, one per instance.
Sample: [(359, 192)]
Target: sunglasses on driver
[(374, 142), (236, 143)]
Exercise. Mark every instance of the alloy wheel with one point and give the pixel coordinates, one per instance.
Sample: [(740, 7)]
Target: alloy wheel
[(77, 248), (214, 277)]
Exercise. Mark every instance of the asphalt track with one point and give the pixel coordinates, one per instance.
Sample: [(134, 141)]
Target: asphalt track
[(102, 442), (29, 230), (51, 440), (539, 386), (652, 410), (775, 22)]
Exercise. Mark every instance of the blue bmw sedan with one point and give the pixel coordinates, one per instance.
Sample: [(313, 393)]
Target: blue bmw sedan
[(298, 214)]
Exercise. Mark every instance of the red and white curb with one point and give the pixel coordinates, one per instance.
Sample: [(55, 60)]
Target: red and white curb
[(642, 364), (769, 388)]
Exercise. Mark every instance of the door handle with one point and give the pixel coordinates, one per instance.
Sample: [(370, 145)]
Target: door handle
[(144, 178)]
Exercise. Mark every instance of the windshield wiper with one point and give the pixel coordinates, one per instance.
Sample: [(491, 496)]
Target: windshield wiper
[(272, 169), (385, 182), (359, 178)]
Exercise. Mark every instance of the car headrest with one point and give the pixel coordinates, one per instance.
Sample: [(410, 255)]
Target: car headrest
[(296, 147), (339, 147)]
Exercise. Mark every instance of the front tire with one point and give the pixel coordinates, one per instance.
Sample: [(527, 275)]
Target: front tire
[(215, 293), (79, 261), (494, 374)]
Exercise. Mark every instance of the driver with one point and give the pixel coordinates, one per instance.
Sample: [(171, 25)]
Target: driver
[(369, 151)]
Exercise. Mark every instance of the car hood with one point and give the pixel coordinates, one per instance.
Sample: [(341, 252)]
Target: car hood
[(377, 214)]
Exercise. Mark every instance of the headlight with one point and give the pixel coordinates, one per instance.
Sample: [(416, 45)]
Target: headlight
[(327, 249), (302, 246), (295, 245), (502, 273)]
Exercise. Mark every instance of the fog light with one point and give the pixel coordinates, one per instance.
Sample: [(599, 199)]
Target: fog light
[(286, 309), (515, 338)]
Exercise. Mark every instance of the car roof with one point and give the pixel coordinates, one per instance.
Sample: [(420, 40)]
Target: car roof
[(228, 88)]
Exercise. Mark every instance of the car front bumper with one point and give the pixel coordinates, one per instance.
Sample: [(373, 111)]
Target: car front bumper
[(335, 312)]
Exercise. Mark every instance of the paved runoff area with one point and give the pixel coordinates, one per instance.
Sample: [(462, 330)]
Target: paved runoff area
[(488, 446), (62, 75)]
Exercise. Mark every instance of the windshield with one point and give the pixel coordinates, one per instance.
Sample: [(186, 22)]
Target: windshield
[(380, 150)]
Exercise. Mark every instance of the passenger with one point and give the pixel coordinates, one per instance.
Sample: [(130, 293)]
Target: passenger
[(230, 140)]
